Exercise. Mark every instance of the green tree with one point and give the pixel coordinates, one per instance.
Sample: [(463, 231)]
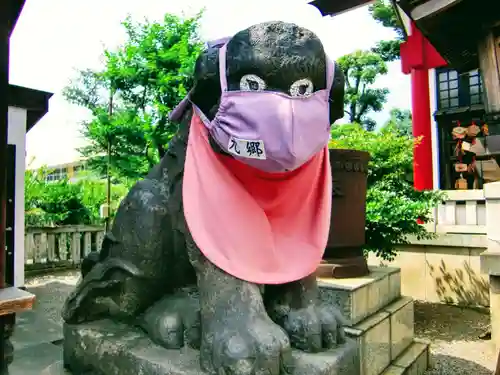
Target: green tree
[(361, 70), (142, 81), (400, 121), (384, 12), (66, 203), (393, 205)]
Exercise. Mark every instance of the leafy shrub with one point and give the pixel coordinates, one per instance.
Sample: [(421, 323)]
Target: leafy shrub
[(66, 203), (393, 205)]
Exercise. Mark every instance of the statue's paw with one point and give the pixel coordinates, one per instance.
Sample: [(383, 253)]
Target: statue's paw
[(174, 321), (256, 347), (165, 329), (315, 328)]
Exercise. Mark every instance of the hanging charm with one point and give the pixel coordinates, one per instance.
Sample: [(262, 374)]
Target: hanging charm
[(461, 167), (461, 183), (459, 132), (485, 130), (473, 130)]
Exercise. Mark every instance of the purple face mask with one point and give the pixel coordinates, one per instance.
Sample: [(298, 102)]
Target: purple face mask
[(271, 131)]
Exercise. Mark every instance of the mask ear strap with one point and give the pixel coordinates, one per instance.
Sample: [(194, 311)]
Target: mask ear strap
[(330, 72), (178, 112), (222, 68)]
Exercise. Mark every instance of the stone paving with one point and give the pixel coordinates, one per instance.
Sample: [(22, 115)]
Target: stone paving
[(38, 333)]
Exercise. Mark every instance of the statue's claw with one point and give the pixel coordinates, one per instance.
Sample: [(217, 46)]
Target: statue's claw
[(254, 347), (315, 328)]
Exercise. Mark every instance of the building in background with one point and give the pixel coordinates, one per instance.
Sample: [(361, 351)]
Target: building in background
[(459, 102), (71, 171)]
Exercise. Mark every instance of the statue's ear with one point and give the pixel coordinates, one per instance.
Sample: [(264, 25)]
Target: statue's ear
[(206, 91), (337, 95)]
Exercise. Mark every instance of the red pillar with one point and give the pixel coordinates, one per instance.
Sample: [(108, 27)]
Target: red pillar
[(421, 123), (417, 57)]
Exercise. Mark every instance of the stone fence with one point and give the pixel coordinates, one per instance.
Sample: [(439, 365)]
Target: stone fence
[(462, 211), (59, 247)]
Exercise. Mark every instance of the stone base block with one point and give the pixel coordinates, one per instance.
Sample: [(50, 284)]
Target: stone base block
[(413, 361), (374, 341), (108, 348), (384, 336), (358, 298), (402, 325)]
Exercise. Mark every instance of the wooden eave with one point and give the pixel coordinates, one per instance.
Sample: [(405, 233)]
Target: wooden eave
[(334, 7), (35, 102), (454, 27), (14, 11)]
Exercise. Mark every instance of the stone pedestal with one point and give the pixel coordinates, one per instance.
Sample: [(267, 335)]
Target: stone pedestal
[(105, 348), (380, 331), (380, 320)]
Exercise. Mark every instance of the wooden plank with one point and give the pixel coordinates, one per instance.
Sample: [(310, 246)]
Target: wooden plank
[(75, 247), (43, 248), (51, 248), (441, 214), (37, 248), (470, 229), (87, 243), (431, 8), (14, 300), (29, 247), (63, 246), (489, 64), (98, 240), (471, 213), (65, 229), (450, 216), (431, 226), (464, 195)]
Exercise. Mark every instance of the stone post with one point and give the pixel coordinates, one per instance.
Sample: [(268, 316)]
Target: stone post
[(490, 259)]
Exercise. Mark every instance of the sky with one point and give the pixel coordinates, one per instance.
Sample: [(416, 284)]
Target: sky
[(55, 38)]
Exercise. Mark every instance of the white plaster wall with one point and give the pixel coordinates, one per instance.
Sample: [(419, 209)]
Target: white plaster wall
[(434, 129), (17, 136)]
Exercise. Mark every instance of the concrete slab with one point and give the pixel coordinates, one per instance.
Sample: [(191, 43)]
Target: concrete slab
[(34, 328), (43, 324), (34, 359)]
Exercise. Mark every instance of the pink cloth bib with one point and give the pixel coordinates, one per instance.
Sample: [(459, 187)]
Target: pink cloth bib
[(265, 228)]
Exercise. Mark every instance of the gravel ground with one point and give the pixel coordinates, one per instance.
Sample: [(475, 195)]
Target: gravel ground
[(454, 335), (51, 291), (453, 331)]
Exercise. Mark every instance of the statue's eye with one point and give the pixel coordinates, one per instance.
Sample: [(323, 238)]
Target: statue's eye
[(302, 87), (252, 82)]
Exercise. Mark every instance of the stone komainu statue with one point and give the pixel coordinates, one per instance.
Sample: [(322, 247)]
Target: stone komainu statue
[(217, 247)]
